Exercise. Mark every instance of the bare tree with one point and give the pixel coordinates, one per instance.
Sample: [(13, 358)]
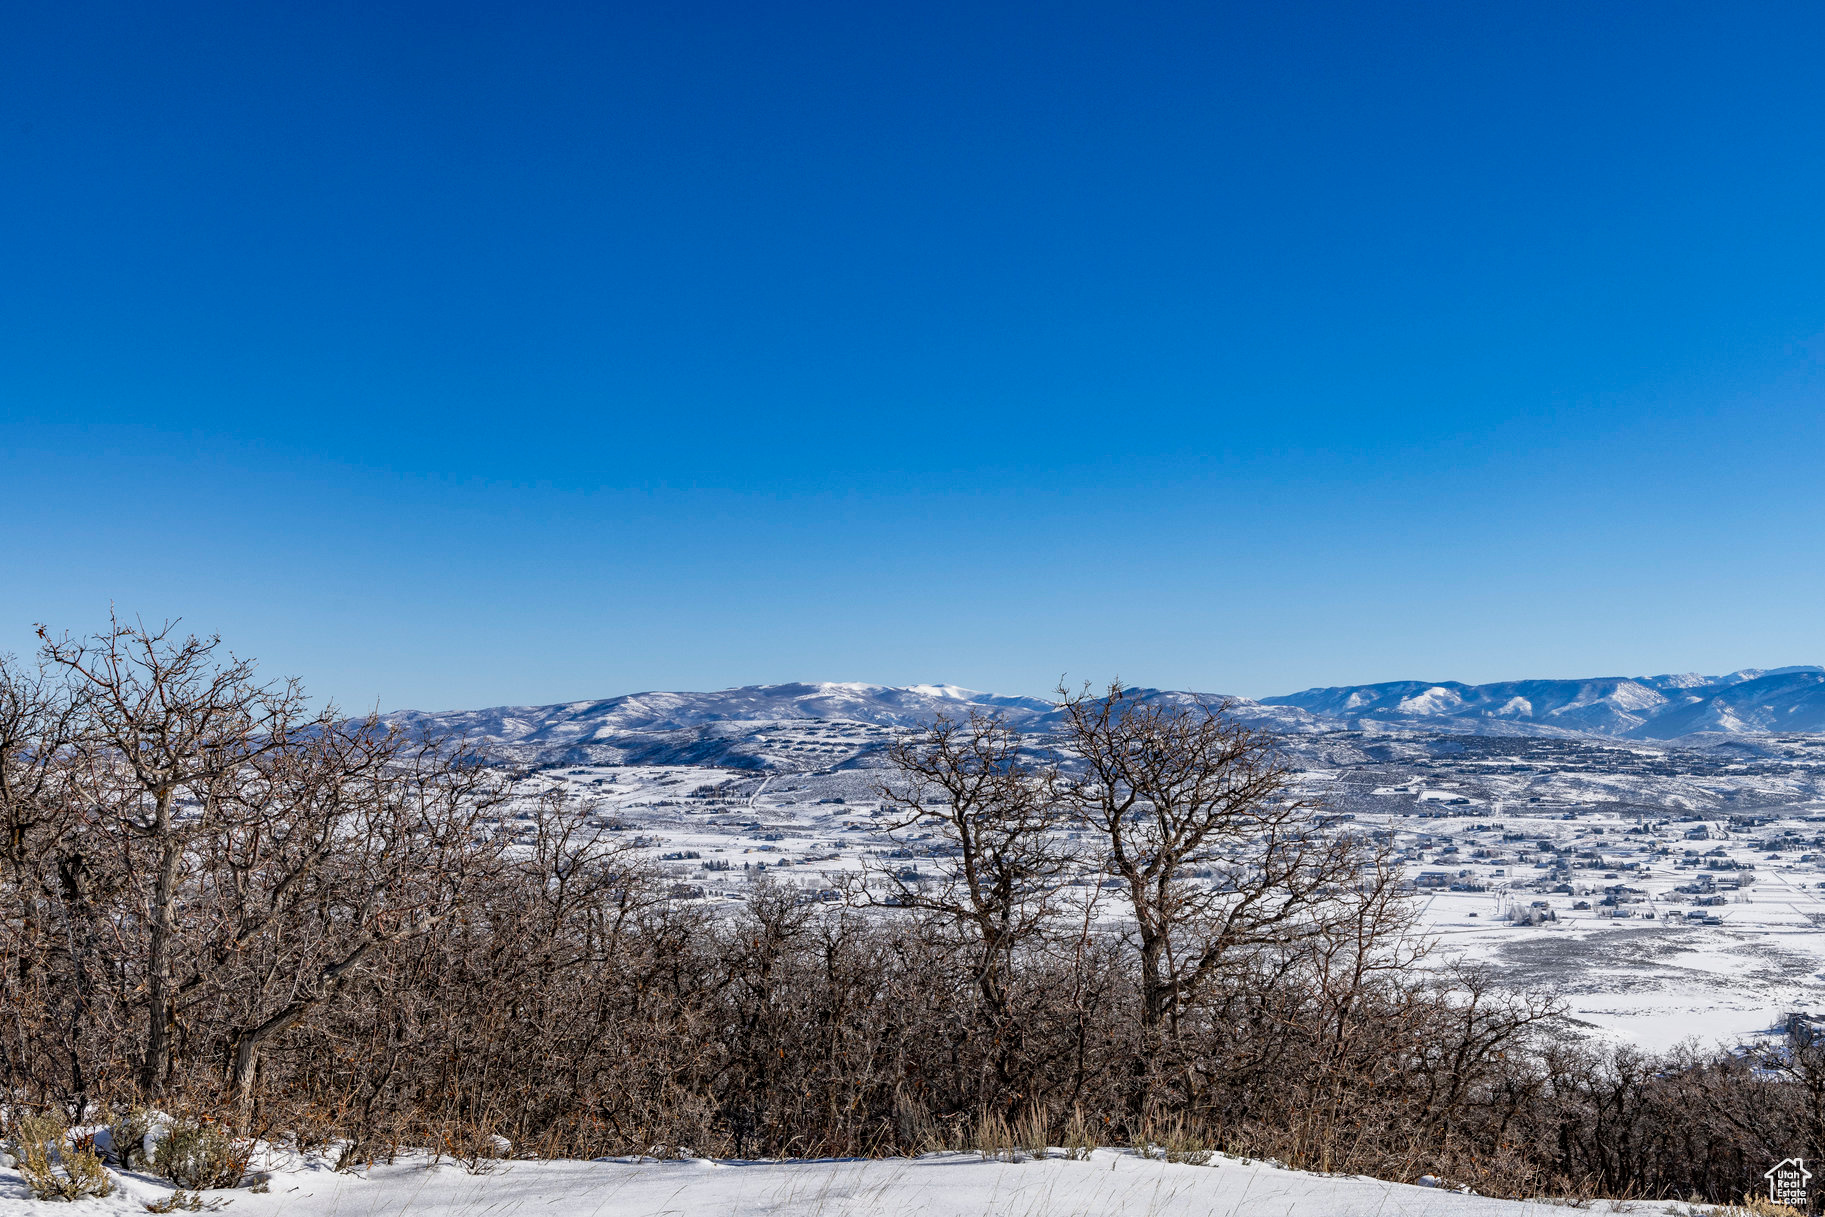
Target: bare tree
[(1215, 860), (273, 850), (170, 734), (348, 840), (39, 721), (972, 785), (50, 914)]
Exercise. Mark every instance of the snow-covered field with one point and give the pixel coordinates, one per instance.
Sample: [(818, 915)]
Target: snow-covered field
[(1110, 1184)]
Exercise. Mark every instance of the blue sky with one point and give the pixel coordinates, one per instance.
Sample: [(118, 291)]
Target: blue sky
[(469, 354)]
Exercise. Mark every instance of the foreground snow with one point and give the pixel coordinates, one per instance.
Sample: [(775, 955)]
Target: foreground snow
[(938, 1185)]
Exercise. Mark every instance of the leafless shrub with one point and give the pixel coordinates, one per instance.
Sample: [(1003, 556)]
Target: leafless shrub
[(127, 1137), (195, 1154), (179, 1201)]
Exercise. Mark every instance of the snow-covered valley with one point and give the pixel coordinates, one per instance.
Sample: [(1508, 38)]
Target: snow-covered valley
[(1666, 889)]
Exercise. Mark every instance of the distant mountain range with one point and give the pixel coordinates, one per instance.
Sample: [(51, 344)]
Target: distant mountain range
[(1635, 707), (880, 705), (761, 726), (731, 727)]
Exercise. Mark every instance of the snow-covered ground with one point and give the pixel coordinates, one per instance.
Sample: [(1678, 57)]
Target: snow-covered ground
[(1110, 1184)]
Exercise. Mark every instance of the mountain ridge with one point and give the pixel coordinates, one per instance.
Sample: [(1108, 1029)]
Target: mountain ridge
[(722, 726), (1751, 700)]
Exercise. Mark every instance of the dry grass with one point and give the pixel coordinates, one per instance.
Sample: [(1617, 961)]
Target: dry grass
[(1079, 1141), (1751, 1205), (993, 1140), (1175, 1140), (1760, 1206), (1031, 1131)]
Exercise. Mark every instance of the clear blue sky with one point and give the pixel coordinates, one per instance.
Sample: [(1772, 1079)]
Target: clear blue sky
[(467, 354)]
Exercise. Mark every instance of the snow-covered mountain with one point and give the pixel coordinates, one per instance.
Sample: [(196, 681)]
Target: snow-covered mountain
[(825, 724), (1639, 707), (583, 721), (761, 726), (784, 726)]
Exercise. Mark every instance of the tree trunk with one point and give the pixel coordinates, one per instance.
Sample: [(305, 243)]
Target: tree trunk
[(1156, 992), (244, 1065), (160, 1007)]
